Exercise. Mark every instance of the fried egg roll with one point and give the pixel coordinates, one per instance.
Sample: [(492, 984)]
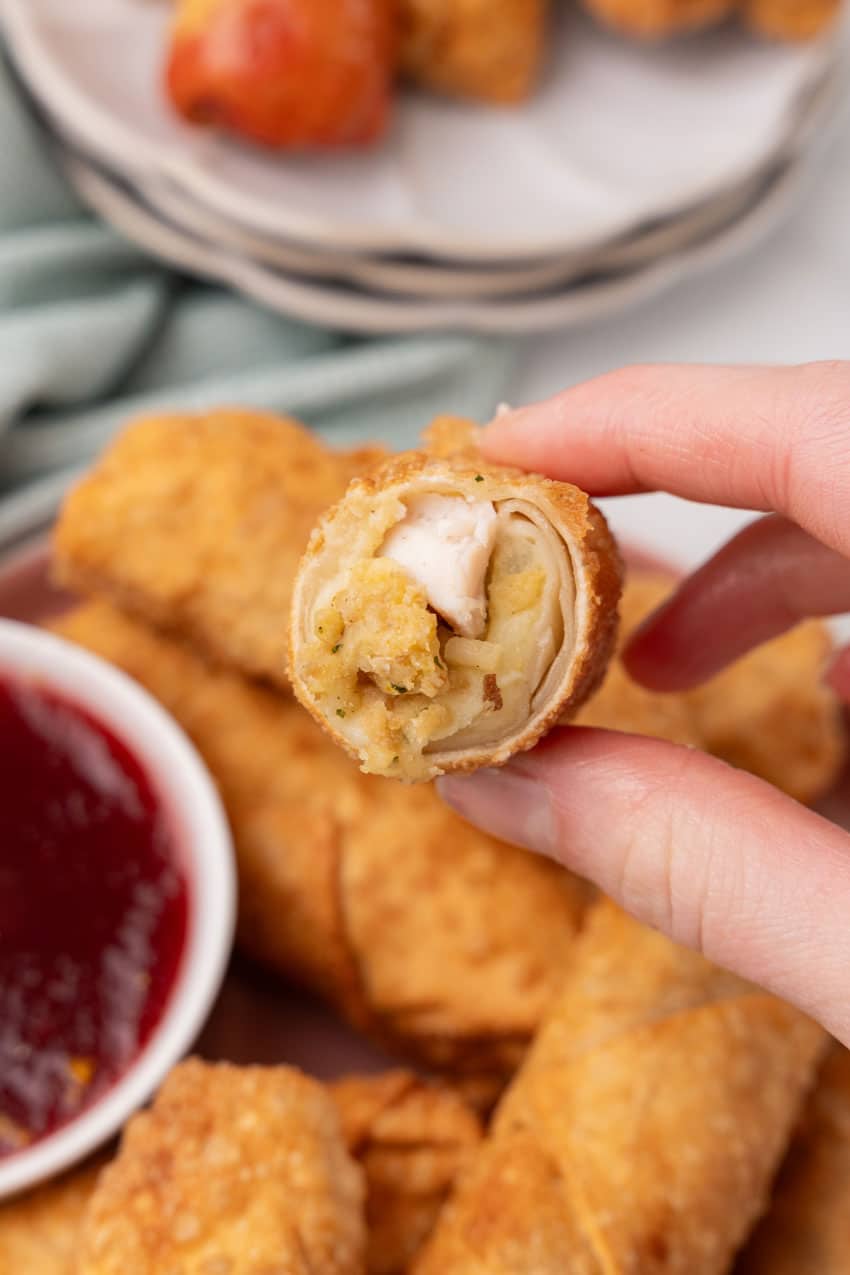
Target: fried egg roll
[(447, 613), (770, 712), (645, 1126), (434, 938), (486, 49), (195, 523), (807, 1228), (412, 1140), (236, 1169)]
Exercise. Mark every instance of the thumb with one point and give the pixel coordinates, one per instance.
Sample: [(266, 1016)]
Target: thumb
[(716, 859)]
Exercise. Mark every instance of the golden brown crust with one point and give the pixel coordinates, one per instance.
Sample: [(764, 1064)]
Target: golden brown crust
[(39, 1231), (621, 703), (642, 1132), (236, 1169), (769, 713), (376, 895), (594, 561), (488, 49), (807, 1228), (195, 523), (412, 1139)]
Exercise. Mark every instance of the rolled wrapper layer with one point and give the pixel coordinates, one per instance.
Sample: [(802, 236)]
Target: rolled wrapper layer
[(447, 614), (412, 1139), (642, 1132), (436, 939), (196, 523), (807, 1228), (237, 1169)]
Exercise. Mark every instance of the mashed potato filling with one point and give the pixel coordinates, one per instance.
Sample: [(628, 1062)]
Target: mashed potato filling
[(447, 633)]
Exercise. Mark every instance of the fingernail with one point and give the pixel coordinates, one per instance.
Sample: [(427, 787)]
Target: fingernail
[(507, 804)]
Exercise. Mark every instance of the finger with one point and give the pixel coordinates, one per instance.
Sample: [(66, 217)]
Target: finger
[(763, 582), (838, 674), (716, 859), (754, 437)]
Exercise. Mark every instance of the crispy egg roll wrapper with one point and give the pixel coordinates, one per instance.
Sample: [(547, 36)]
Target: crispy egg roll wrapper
[(236, 1169), (431, 936), (807, 1228), (196, 522), (486, 49), (40, 1231), (770, 712), (412, 1140), (642, 1132), (360, 622)]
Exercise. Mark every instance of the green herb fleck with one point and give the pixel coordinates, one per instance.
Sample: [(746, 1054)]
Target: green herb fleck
[(479, 478), (340, 712), (334, 649), (438, 662), (402, 690)]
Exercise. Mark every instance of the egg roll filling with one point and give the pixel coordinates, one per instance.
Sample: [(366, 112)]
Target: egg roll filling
[(441, 627)]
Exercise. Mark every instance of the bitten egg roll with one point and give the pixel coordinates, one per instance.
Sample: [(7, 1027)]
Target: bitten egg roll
[(807, 1228), (431, 936), (236, 1169), (412, 1140), (643, 1130), (447, 613), (487, 49), (196, 523)]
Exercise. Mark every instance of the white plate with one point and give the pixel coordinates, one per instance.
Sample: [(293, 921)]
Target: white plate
[(360, 311), (617, 136)]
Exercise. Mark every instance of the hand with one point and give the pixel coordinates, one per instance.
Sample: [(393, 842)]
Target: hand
[(715, 858)]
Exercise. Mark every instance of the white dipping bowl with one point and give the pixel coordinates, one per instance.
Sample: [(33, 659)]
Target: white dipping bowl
[(181, 782)]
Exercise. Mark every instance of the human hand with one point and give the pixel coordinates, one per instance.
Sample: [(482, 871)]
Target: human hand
[(715, 858)]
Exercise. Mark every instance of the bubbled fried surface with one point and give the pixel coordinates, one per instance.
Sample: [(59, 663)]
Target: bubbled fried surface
[(807, 1228), (643, 1130), (412, 1139), (236, 1170), (196, 522)]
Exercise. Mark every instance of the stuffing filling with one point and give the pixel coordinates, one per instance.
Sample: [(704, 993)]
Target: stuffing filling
[(443, 636)]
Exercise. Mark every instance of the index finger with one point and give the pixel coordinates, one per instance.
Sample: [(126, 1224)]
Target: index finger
[(752, 437)]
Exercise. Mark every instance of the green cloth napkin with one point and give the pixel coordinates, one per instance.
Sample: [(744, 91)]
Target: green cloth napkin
[(93, 331)]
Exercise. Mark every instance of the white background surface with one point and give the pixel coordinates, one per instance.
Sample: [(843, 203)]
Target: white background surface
[(787, 301)]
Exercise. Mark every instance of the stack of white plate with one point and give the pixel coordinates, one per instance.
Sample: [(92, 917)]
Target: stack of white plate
[(631, 168)]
